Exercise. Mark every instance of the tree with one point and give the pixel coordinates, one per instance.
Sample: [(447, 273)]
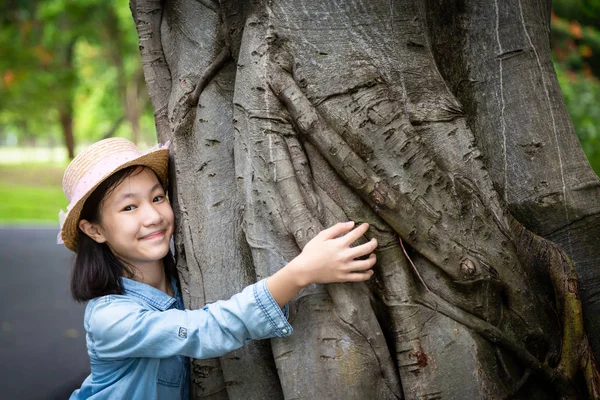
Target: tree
[(129, 78), (30, 97), (39, 41), (439, 123), (64, 71)]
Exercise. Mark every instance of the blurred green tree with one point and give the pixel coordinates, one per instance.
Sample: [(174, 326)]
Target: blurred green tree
[(576, 49), (67, 65)]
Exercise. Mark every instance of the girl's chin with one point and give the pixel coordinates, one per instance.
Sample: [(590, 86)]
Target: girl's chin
[(155, 253), (159, 255)]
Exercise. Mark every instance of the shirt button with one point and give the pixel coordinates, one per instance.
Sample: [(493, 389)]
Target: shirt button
[(284, 330)]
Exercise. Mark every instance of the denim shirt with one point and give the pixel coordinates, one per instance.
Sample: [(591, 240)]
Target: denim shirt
[(139, 342)]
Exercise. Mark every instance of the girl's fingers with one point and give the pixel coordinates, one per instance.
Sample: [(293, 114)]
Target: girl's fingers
[(336, 230), (354, 234), (363, 249), (360, 276), (361, 265)]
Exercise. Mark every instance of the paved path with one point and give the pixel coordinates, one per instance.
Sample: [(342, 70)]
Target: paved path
[(42, 341)]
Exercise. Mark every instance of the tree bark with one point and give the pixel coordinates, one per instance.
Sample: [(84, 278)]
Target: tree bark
[(288, 116), (538, 165)]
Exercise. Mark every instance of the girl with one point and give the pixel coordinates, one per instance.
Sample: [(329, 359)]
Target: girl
[(120, 223)]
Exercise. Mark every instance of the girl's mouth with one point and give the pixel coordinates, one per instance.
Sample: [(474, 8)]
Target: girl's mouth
[(153, 235)]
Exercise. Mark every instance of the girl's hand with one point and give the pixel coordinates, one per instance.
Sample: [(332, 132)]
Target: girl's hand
[(328, 258), (325, 259)]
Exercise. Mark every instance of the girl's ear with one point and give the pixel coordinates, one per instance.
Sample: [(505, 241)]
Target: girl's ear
[(92, 230)]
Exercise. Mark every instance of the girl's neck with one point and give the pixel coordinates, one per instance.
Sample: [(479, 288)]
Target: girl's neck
[(153, 275)]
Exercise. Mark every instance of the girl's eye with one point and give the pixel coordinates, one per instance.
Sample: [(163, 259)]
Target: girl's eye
[(129, 208), (158, 198)]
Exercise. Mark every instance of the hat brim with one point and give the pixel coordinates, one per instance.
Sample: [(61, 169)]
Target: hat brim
[(157, 160)]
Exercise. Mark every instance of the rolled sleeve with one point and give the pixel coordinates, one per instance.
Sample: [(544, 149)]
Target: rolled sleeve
[(121, 327), (277, 317)]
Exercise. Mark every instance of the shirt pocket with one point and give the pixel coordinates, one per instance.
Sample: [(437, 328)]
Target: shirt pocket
[(170, 372)]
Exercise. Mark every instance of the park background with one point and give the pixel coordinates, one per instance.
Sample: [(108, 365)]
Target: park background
[(70, 75)]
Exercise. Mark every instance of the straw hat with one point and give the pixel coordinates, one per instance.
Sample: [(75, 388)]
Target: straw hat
[(92, 166)]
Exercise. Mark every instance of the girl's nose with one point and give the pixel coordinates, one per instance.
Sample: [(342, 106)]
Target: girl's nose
[(152, 215)]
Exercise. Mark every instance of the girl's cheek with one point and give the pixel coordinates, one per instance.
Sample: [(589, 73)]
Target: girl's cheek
[(125, 223), (169, 212)]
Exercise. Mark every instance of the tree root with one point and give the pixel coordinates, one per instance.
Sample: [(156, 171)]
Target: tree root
[(576, 354), (184, 111), (495, 335), (351, 305), (590, 374), (377, 193)]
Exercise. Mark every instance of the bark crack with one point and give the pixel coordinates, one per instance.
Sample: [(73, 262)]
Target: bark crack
[(503, 106)]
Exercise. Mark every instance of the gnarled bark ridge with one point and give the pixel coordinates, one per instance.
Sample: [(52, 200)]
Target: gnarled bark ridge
[(288, 116)]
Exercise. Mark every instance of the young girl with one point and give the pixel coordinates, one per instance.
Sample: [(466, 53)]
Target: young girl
[(120, 223)]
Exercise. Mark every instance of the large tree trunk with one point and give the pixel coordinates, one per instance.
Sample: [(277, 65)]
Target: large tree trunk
[(428, 121)]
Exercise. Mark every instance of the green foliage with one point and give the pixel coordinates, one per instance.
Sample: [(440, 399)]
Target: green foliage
[(586, 12), (576, 46), (62, 55), (36, 64), (582, 97), (576, 49)]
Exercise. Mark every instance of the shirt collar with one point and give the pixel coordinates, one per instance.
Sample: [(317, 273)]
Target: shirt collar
[(149, 294)]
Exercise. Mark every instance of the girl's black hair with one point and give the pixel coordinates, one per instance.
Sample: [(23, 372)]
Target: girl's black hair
[(96, 270)]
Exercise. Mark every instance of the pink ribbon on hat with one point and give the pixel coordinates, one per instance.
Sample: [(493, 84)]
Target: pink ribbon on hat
[(159, 146), (103, 167), (61, 219)]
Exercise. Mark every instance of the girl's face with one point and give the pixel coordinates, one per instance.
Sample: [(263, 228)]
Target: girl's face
[(136, 219)]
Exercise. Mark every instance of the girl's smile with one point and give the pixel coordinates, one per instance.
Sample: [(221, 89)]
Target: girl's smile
[(154, 235)]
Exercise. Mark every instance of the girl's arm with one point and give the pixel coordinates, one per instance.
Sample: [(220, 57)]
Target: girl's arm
[(325, 259), (119, 327)]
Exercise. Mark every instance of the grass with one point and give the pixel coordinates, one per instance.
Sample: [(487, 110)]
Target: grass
[(31, 193)]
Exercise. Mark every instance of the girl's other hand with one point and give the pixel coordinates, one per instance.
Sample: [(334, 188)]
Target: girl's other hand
[(328, 258)]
